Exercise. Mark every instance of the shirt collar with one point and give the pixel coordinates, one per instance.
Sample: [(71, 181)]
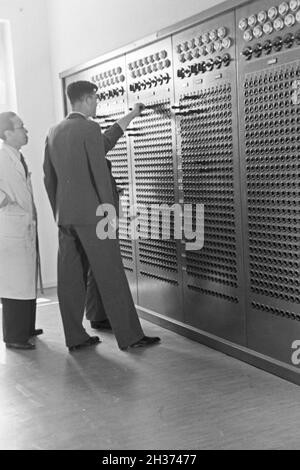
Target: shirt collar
[(12, 149), (77, 112)]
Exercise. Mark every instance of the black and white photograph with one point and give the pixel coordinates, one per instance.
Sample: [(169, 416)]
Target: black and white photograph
[(149, 228)]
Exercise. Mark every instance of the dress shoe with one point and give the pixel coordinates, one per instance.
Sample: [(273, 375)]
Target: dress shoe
[(145, 341), (37, 332), (25, 346), (101, 325), (93, 340)]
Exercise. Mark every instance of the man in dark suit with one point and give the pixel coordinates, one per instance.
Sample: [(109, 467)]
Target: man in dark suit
[(77, 180)]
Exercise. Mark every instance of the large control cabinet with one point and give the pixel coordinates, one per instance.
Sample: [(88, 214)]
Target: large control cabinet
[(221, 129)]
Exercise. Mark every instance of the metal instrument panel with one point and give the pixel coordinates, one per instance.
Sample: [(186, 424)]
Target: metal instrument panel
[(270, 145), (209, 174), (154, 171)]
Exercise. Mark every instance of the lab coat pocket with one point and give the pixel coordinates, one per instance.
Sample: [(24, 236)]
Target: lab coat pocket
[(13, 225)]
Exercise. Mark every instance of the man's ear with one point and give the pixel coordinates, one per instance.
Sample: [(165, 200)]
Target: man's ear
[(7, 134)]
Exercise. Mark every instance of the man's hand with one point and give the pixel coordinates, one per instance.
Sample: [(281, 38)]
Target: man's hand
[(138, 109), (126, 120)]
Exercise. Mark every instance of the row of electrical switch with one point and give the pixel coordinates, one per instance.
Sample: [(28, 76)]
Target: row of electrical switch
[(114, 93), (151, 82), (203, 67), (288, 41)]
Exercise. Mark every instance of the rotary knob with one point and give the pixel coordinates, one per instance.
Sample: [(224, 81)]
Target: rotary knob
[(196, 53), (288, 40), (247, 53), (213, 35), (179, 49), (248, 35), (257, 32), (283, 8), (278, 24), (257, 50), (167, 63), (218, 62), (297, 38), (277, 44), (210, 48), (294, 5), (289, 20), (227, 43), (267, 47), (157, 56), (222, 32), (192, 44), (268, 27), (163, 54), (226, 59), (218, 46), (209, 65), (122, 78), (119, 70), (262, 17), (252, 20), (203, 50), (182, 58), (272, 13), (205, 38), (243, 24)]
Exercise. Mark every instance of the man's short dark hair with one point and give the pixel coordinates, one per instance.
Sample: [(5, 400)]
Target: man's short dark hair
[(6, 123), (76, 91)]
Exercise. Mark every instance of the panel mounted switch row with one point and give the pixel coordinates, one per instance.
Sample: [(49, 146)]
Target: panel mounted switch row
[(150, 83), (203, 67), (288, 41)]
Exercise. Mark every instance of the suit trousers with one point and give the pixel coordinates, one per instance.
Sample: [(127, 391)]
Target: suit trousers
[(79, 249), (94, 308), (18, 320)]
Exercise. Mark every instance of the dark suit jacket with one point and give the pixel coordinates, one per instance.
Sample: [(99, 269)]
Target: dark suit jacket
[(77, 177)]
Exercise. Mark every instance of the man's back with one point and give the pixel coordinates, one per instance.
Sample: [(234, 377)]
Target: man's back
[(76, 175)]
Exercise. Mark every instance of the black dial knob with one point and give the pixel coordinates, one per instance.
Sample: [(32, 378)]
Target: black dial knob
[(226, 59), (202, 67), (297, 38), (247, 53), (267, 47), (180, 73), (277, 44), (288, 40), (210, 65), (218, 62), (257, 50)]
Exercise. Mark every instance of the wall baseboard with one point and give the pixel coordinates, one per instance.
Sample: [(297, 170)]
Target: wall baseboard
[(266, 363)]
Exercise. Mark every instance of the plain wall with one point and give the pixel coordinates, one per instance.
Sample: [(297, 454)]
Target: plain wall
[(31, 55), (81, 30)]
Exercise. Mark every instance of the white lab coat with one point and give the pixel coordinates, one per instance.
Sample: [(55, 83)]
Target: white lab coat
[(18, 230)]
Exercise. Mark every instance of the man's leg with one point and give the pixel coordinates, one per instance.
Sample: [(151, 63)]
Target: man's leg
[(16, 320), (106, 263), (71, 290), (93, 305)]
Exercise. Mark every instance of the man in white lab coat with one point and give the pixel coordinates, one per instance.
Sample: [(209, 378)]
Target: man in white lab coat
[(18, 237)]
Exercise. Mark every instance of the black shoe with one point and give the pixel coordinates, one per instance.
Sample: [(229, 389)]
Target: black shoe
[(37, 332), (93, 340), (101, 325), (25, 346), (145, 341)]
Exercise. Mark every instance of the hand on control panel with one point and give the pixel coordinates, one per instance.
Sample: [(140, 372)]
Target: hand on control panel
[(138, 109)]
